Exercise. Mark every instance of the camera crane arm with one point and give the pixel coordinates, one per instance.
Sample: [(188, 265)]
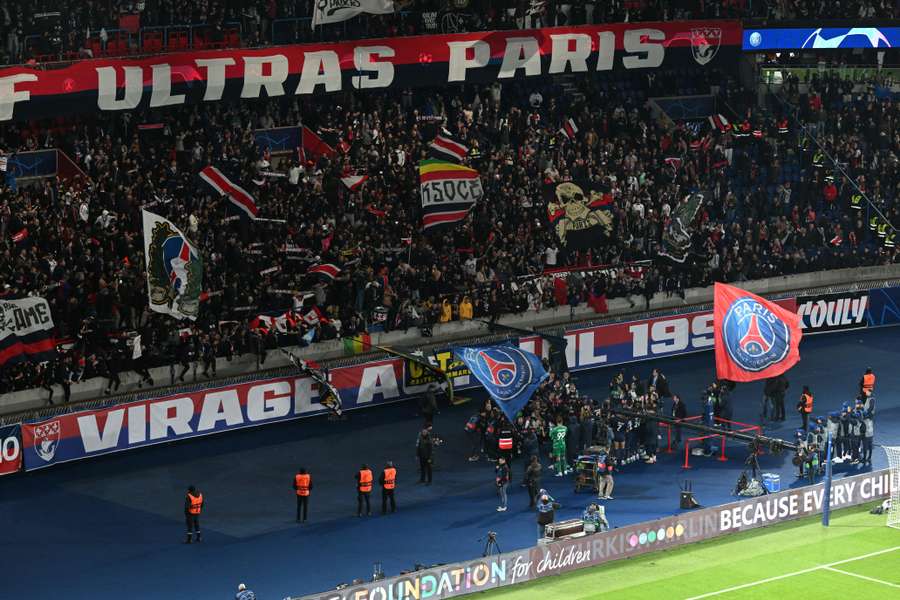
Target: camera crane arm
[(775, 444)]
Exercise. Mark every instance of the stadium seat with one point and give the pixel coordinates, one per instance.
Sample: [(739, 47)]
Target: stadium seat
[(151, 41)]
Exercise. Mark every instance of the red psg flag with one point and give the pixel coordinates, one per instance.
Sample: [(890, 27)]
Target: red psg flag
[(754, 338)]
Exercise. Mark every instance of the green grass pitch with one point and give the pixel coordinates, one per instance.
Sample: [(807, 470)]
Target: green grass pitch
[(858, 557)]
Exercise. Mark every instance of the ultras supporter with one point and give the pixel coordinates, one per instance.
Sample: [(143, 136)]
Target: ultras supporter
[(770, 207)]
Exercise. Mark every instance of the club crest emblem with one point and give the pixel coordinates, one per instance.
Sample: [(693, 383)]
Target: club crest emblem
[(46, 440), (705, 42), (755, 337), (507, 370), (175, 271)]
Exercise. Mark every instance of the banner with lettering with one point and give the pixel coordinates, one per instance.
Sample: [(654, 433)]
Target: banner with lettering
[(10, 449), (26, 331), (529, 564), (161, 80), (84, 434)]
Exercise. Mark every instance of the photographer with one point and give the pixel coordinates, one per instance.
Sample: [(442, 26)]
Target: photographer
[(545, 513)]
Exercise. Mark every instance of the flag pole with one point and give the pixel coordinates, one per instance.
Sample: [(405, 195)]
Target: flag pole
[(271, 220), (826, 510)]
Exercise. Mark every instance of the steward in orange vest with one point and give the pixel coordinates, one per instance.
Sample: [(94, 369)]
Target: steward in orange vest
[(302, 485), (805, 406), (867, 383), (193, 506), (388, 482), (364, 490)]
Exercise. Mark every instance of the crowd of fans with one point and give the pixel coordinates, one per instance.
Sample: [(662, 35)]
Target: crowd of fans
[(577, 430), (62, 29), (773, 204)]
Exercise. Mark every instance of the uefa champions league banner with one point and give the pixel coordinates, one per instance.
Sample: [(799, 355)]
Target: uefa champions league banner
[(529, 564), (820, 38), (124, 84)]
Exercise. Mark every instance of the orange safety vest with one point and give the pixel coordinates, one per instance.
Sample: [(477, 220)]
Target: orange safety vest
[(868, 382), (196, 504), (807, 403), (365, 480), (390, 477), (301, 483)]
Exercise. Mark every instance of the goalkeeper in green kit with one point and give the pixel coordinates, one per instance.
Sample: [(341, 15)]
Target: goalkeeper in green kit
[(558, 437)]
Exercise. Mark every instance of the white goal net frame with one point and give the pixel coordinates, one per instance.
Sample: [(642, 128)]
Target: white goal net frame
[(893, 513)]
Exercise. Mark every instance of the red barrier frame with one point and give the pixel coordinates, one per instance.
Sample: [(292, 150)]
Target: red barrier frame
[(744, 428)]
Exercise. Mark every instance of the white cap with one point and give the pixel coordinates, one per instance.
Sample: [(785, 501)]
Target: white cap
[(241, 587)]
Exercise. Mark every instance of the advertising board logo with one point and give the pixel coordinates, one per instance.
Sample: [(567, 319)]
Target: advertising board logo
[(705, 42), (831, 312), (755, 39), (755, 337), (46, 440), (507, 369), (856, 37)]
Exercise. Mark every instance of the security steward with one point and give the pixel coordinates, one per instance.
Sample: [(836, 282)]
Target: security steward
[(867, 383), (805, 406), (193, 506), (388, 481), (364, 490), (302, 485)]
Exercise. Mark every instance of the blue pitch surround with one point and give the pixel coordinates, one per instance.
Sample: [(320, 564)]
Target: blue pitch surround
[(111, 527)]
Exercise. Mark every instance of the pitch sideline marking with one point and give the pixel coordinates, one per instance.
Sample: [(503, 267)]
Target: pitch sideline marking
[(894, 585), (794, 574)]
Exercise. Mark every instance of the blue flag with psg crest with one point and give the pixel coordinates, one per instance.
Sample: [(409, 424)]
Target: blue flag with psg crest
[(509, 374)]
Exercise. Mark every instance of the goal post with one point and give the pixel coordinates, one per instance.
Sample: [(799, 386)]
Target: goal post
[(893, 513)]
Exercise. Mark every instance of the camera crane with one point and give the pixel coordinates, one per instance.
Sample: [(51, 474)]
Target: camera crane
[(775, 445)]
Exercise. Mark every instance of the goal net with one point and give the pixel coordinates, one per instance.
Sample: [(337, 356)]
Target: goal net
[(893, 454)]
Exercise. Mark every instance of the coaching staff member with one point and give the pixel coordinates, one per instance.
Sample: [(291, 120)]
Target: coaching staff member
[(193, 505), (302, 485)]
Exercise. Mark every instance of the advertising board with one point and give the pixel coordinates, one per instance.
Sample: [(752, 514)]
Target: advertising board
[(519, 566)]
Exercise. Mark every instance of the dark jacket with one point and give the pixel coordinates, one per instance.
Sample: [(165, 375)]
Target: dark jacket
[(662, 386), (533, 474), (679, 410), (424, 446), (531, 445), (501, 474), (587, 432)]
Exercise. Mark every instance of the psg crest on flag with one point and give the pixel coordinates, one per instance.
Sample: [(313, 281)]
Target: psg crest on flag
[(755, 337), (510, 375), (506, 368)]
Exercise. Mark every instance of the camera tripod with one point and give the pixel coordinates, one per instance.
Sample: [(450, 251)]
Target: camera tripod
[(491, 546)]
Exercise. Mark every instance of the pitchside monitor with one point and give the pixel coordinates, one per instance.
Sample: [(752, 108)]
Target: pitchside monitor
[(821, 38)]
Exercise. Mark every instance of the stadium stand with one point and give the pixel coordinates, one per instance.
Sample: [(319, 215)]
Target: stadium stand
[(64, 30), (772, 203)]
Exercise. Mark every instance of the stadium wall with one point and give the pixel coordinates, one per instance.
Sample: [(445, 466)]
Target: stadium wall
[(444, 333), (211, 408), (529, 564)]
